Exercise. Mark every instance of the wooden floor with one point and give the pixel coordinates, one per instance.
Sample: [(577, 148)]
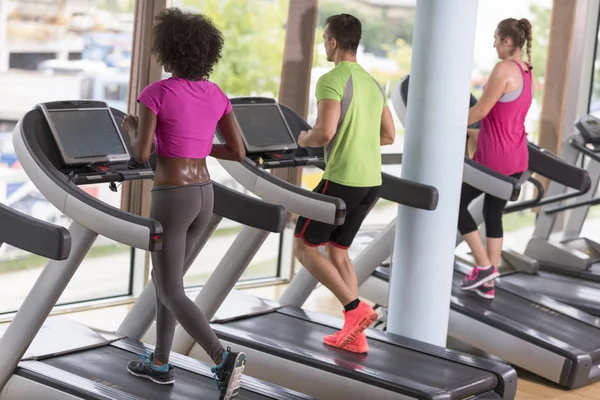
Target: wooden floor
[(530, 387)]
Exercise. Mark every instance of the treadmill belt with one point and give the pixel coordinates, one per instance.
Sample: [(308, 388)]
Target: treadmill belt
[(555, 325), (578, 293), (289, 332), (108, 365)]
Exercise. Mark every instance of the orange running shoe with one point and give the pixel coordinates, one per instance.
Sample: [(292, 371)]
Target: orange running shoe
[(360, 345), (355, 322)]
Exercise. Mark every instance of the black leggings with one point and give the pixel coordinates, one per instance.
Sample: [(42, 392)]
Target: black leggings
[(184, 212), (493, 210)]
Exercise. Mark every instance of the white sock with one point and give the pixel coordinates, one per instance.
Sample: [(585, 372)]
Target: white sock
[(484, 268)]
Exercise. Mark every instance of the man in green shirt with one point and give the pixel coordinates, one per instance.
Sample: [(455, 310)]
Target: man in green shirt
[(353, 122)]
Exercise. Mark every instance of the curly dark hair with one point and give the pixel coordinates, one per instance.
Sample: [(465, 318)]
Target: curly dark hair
[(185, 44)]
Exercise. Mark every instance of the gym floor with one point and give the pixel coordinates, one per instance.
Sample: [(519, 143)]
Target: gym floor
[(530, 386)]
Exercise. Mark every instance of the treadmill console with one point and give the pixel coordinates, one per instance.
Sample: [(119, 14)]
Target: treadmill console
[(269, 136), (89, 145), (589, 128)]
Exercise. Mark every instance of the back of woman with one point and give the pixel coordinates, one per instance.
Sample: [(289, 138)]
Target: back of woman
[(502, 142), (501, 146)]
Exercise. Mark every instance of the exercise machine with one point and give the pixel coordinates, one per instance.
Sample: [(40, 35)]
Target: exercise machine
[(61, 146), (566, 252), (284, 343), (522, 327)]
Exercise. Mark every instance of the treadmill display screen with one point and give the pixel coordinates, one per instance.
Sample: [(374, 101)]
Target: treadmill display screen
[(87, 133), (263, 127)]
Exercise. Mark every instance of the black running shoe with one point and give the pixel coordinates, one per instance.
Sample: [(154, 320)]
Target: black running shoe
[(228, 374), (478, 277), (162, 375)]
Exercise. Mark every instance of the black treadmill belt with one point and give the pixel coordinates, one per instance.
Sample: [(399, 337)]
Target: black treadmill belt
[(460, 380), (578, 293), (108, 365), (558, 326)]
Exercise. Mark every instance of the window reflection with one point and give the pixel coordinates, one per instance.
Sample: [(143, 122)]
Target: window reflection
[(60, 50)]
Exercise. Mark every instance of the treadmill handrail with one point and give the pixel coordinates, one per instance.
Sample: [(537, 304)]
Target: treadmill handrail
[(33, 235), (573, 142), (591, 202), (249, 210), (407, 192), (274, 190), (547, 164), (96, 215), (491, 182)]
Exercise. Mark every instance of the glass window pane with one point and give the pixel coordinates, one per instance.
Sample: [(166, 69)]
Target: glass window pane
[(594, 106), (60, 53)]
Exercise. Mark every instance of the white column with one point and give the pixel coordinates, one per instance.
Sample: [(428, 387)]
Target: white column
[(436, 123)]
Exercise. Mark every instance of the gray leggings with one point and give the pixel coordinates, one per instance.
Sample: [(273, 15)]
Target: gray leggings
[(184, 212)]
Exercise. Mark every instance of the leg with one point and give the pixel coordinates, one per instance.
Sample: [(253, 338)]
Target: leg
[(361, 201), (308, 236), (482, 271), (193, 208), (165, 320), (178, 210), (165, 330), (341, 261), (337, 249), (493, 211), (467, 226), (322, 269)]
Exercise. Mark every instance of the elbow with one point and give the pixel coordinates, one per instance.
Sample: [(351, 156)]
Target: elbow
[(327, 138), (477, 114), (240, 154), (141, 158), (388, 138)]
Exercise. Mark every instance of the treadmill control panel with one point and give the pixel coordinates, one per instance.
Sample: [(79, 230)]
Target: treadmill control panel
[(589, 128)]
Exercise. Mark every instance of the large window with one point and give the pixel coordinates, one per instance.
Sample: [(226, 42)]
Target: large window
[(594, 103), (60, 51)]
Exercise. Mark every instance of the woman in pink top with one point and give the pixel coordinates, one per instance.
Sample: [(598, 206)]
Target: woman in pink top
[(180, 115), (501, 146)]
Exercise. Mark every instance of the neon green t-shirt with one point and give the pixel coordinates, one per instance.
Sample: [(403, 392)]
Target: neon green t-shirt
[(353, 156)]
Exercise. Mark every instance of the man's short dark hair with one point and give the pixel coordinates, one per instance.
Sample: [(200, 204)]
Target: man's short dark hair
[(346, 29)]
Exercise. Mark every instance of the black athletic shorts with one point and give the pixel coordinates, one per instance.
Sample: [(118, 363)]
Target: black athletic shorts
[(359, 200)]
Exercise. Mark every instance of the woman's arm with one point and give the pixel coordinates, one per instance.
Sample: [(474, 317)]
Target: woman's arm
[(494, 89), (233, 148), (141, 131)]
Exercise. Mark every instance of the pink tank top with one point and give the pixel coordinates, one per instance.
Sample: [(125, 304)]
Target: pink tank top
[(502, 143), (187, 115)]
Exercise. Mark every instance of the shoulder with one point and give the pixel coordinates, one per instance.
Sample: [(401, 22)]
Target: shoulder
[(505, 67), (218, 94), (338, 75), (155, 86)]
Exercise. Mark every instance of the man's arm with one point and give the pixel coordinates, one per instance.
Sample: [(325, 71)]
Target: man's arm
[(387, 134), (328, 117)]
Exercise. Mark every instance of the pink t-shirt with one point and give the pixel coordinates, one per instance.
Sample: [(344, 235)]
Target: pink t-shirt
[(502, 142), (187, 115)]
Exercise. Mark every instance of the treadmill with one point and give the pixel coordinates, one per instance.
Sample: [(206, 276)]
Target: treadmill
[(521, 326), (284, 344), (57, 358), (566, 252)]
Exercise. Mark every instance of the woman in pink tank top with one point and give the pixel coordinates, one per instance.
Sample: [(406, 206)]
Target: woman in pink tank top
[(501, 146)]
